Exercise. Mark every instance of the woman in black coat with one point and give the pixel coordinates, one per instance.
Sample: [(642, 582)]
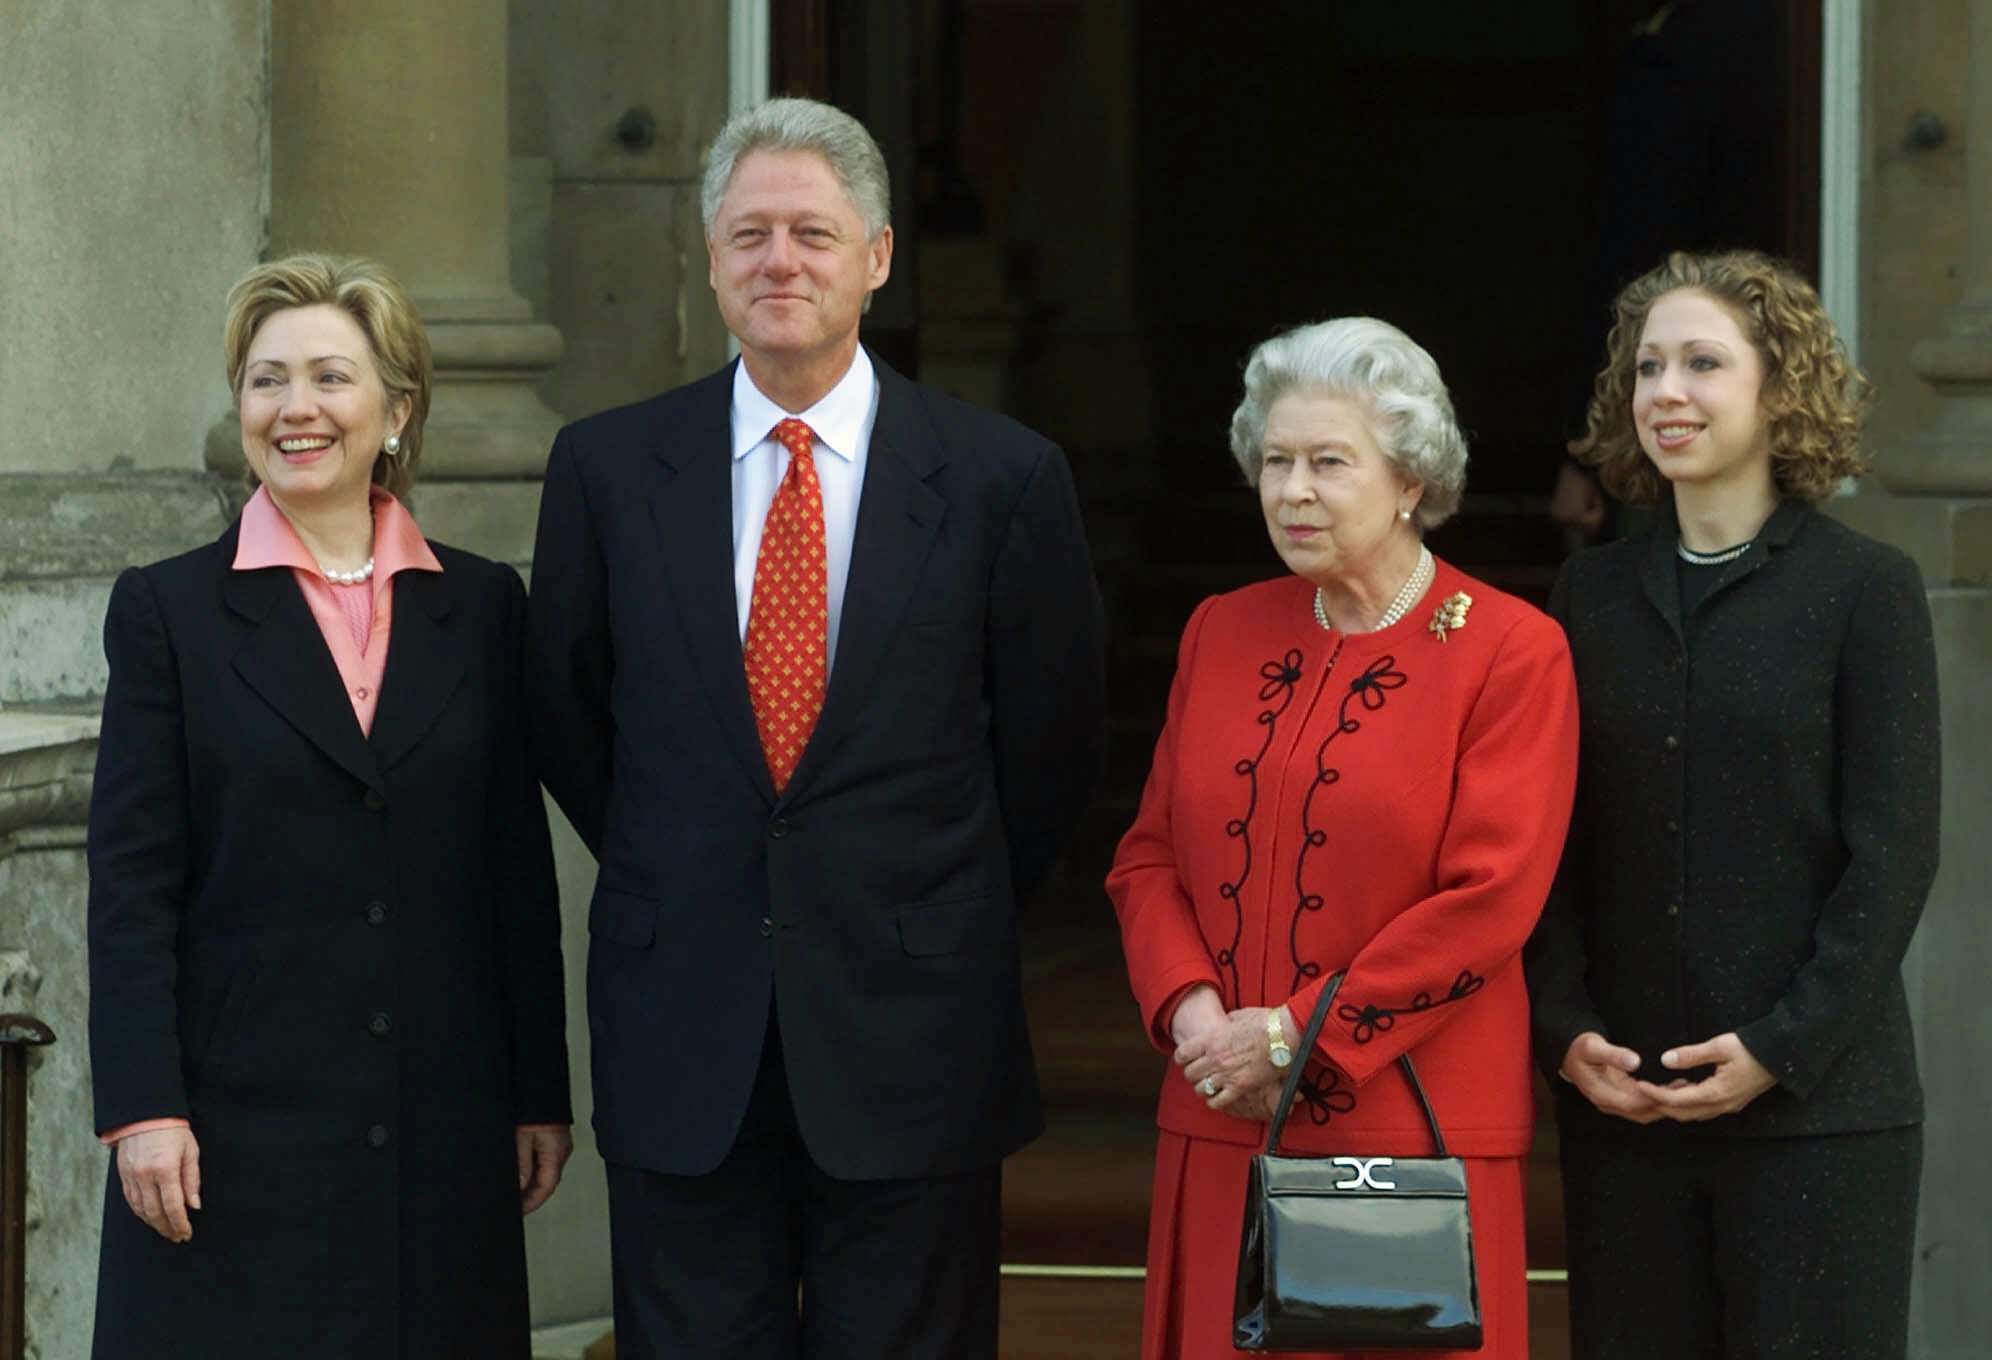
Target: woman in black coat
[(1718, 976), (326, 1013)]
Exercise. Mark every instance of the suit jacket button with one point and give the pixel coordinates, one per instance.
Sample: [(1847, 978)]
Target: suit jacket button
[(767, 925), (1672, 743), (778, 828), (374, 802), (1673, 908), (377, 1136), (376, 913), (378, 1024)]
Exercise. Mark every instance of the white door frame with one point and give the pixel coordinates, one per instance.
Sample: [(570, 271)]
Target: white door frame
[(748, 45), (1840, 168)]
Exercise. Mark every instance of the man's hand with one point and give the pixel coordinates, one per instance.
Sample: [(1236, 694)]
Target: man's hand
[(160, 1171), (543, 1153), (1737, 1080), (1602, 1073)]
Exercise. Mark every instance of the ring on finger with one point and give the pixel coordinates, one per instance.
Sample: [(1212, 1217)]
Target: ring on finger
[(1208, 1086)]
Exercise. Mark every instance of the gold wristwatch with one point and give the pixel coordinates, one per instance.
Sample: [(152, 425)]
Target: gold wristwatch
[(1276, 1044)]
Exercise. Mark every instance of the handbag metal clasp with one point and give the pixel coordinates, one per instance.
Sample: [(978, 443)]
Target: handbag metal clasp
[(1365, 1169)]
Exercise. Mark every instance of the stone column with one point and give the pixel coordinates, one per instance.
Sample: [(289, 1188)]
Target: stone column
[(1953, 457), (1941, 478), (388, 139)]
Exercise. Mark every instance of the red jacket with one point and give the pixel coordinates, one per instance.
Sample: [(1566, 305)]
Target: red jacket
[(1387, 804)]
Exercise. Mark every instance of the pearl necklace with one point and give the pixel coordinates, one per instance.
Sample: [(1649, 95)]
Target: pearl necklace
[(1414, 587), (350, 578), (1711, 559)]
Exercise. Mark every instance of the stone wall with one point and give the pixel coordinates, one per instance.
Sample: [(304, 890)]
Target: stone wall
[(134, 160), (1926, 339)]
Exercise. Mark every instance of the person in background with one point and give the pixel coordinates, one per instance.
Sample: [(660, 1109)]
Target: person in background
[(1694, 156), (326, 1022), (1717, 979), (1366, 769)]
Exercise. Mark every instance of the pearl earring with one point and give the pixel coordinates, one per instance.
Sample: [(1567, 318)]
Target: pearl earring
[(394, 446), (1404, 514)]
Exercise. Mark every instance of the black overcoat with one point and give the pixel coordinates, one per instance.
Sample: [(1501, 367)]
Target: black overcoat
[(1756, 820), (337, 956)]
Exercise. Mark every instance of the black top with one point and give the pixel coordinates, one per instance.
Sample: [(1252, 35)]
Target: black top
[(1756, 822)]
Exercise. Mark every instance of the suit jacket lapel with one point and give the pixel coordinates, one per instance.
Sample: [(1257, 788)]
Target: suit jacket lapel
[(283, 658), (691, 505), (899, 514), (425, 663)]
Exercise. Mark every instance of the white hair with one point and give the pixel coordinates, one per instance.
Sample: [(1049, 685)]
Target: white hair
[(1374, 363), (801, 125)]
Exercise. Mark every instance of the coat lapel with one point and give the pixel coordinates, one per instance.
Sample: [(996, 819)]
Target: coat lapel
[(691, 506), (1658, 576), (283, 658), (425, 663), (899, 514)]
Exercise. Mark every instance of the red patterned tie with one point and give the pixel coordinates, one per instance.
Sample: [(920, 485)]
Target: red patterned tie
[(788, 623)]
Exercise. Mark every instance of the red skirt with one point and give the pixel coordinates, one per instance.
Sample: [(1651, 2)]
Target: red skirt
[(1193, 1223)]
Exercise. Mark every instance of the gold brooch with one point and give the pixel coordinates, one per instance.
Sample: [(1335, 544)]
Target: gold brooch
[(1451, 613)]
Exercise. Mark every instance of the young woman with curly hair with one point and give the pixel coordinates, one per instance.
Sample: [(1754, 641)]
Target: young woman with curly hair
[(1717, 977)]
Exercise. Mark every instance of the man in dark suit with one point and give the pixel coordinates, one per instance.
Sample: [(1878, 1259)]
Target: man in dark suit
[(814, 661)]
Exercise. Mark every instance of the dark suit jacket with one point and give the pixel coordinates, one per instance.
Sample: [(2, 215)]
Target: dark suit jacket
[(337, 956), (875, 900), (1756, 821)]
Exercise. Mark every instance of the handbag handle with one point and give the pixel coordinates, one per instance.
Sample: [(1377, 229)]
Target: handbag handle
[(1292, 1085)]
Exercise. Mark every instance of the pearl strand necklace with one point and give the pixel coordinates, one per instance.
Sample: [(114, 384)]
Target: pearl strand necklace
[(1414, 586), (350, 578), (1711, 559)]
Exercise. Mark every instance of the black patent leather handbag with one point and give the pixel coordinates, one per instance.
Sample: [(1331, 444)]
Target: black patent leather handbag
[(1355, 1253)]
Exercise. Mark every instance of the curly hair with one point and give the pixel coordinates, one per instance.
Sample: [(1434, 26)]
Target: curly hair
[(1813, 396), (377, 304)]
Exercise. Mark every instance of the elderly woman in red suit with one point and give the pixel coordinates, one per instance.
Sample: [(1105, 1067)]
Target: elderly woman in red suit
[(325, 1011), (1366, 769)]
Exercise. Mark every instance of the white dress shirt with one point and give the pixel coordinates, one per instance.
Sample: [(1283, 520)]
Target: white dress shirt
[(842, 422)]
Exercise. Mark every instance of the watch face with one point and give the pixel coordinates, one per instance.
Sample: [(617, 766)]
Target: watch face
[(1281, 1057)]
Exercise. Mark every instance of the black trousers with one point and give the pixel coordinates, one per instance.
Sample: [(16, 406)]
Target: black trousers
[(768, 1257), (1685, 1246)]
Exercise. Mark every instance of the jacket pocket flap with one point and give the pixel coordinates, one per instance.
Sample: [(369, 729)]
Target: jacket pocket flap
[(947, 927)]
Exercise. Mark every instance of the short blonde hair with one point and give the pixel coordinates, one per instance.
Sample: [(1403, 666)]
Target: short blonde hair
[(1813, 396), (367, 293)]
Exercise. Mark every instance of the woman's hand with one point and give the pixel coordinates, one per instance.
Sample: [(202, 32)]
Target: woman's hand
[(1232, 1061), (543, 1153), (160, 1171), (1602, 1073), (1737, 1080), (1200, 1011)]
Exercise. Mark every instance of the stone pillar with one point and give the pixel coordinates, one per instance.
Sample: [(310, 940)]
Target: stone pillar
[(388, 139), (1941, 478), (1953, 457)]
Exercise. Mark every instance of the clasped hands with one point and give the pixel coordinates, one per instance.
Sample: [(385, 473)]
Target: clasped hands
[(1602, 1072), (1229, 1049)]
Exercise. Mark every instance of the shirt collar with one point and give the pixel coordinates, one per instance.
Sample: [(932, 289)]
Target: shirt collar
[(268, 539), (838, 419)]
